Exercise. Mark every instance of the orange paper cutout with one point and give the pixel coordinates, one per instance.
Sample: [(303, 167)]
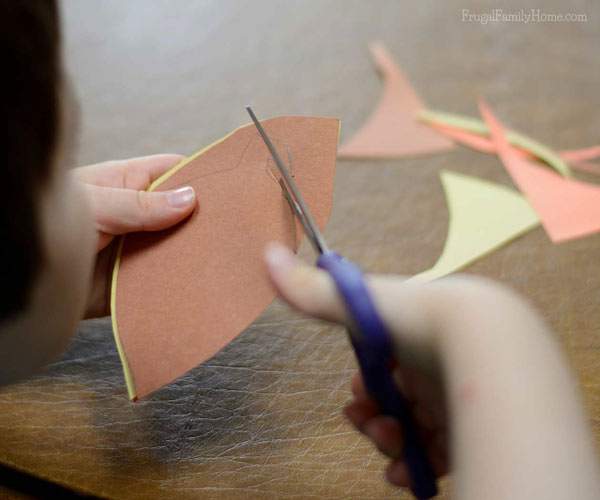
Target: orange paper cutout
[(392, 130), (584, 166), (584, 154), (567, 208), (183, 294), (576, 157)]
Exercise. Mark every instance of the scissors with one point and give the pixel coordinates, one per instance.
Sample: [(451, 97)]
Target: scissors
[(368, 334)]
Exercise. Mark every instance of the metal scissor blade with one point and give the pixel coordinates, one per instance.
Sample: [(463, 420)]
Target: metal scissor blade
[(293, 193), (297, 210)]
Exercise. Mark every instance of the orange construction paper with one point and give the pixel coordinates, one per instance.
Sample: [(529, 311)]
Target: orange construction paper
[(392, 130), (567, 208), (469, 139), (576, 157), (181, 295), (585, 166), (582, 154)]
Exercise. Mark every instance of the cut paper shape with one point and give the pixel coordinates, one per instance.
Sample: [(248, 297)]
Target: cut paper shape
[(482, 217), (584, 166), (179, 296), (476, 126), (575, 158), (578, 159), (581, 154), (474, 141), (567, 208), (392, 130)]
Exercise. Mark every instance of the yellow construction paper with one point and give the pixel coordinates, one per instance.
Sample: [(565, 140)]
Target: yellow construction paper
[(477, 126), (482, 217)]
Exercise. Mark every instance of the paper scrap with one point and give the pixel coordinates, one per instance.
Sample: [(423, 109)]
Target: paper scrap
[(576, 158), (180, 295), (482, 217), (476, 126), (474, 141), (585, 166), (567, 208), (392, 130), (581, 154)]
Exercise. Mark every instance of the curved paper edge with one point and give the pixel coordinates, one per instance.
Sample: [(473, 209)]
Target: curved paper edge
[(129, 379), (129, 382), (470, 139), (451, 182), (576, 158), (568, 208), (581, 155), (477, 126), (395, 113), (585, 166)]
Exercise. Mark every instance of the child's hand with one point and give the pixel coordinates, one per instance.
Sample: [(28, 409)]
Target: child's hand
[(489, 388), (120, 204), (427, 399)]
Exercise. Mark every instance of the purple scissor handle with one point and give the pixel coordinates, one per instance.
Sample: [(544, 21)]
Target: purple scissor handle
[(375, 354), (371, 341)]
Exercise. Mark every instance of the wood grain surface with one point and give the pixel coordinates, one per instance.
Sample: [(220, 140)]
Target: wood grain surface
[(262, 418)]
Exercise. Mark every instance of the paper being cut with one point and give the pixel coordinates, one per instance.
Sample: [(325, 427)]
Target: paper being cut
[(181, 295), (567, 208), (482, 217), (392, 131)]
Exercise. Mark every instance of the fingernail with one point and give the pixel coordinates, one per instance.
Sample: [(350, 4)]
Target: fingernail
[(182, 197), (279, 258)]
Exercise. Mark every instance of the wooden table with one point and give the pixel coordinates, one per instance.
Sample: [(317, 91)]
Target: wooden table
[(262, 418)]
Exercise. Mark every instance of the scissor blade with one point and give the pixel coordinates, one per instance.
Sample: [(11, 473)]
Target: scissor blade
[(295, 197)]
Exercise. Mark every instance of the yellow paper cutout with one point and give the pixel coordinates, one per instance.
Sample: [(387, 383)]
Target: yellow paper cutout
[(482, 217)]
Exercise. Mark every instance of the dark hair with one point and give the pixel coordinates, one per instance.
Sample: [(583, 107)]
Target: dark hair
[(29, 129)]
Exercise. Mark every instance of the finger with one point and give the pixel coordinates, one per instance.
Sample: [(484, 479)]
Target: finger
[(358, 386), (420, 316), (437, 458), (119, 211), (133, 173), (360, 411), (397, 473), (386, 434), (425, 393), (439, 454), (98, 303), (306, 288), (312, 291)]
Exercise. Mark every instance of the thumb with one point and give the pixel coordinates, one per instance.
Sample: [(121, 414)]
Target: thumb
[(306, 288), (424, 319), (118, 211), (410, 310)]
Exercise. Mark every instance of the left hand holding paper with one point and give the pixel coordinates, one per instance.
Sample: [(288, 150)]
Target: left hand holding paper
[(120, 204)]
